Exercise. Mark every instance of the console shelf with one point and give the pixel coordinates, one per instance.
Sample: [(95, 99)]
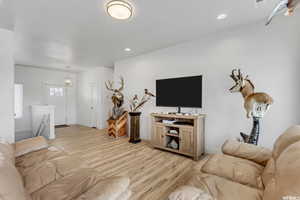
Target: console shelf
[(172, 125), (186, 137)]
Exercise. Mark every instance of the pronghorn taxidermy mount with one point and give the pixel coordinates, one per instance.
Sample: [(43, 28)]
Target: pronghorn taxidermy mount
[(256, 104), (117, 98), (252, 99), (287, 6)]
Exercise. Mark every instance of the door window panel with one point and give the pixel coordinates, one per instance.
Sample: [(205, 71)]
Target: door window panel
[(58, 92)]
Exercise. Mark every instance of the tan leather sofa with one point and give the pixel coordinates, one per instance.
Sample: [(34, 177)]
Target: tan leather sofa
[(248, 172), (30, 170)]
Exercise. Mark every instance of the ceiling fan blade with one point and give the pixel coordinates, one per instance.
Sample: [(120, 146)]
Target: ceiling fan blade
[(281, 6)]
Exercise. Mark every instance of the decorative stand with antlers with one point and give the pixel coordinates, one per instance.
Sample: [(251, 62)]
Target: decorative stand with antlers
[(117, 123), (256, 104), (135, 127)]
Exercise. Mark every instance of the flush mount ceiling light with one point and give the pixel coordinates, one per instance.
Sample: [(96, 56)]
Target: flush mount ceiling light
[(119, 9), (127, 49), (68, 80), (222, 16)]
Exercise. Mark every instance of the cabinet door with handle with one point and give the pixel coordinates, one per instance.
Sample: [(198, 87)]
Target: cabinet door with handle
[(158, 136), (186, 140)]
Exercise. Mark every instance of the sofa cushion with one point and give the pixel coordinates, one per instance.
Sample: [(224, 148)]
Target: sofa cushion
[(43, 173), (188, 193), (108, 189), (39, 176), (224, 189), (289, 137), (7, 151), (37, 157), (236, 169), (29, 145), (67, 164), (251, 152), (125, 195), (68, 187), (286, 181), (11, 185), (269, 172), (28, 196)]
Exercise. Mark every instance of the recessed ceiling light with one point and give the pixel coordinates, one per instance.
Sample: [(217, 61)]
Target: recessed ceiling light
[(222, 16), (119, 9), (127, 49)]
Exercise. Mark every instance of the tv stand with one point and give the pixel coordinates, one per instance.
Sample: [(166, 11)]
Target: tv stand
[(179, 133)]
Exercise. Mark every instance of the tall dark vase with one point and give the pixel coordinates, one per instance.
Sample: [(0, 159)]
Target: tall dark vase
[(135, 127), (253, 139)]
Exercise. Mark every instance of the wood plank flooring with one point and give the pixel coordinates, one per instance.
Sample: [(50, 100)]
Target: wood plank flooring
[(153, 173)]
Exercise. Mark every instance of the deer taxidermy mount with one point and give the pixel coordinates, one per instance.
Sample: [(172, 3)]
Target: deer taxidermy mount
[(117, 98), (255, 104), (288, 6)]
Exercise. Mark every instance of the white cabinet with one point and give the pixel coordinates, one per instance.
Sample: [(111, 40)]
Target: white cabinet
[(43, 121)]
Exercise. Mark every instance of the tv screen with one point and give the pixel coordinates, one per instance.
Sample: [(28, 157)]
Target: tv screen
[(179, 92)]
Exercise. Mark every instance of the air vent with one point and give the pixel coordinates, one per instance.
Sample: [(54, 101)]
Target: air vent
[(259, 3)]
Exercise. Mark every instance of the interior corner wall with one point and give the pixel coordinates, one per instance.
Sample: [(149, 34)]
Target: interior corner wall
[(270, 55), (97, 77), (7, 130), (33, 80)]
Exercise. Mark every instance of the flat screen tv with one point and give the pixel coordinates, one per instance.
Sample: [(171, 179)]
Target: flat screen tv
[(179, 92)]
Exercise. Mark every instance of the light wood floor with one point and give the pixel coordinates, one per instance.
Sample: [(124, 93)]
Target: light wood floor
[(153, 173)]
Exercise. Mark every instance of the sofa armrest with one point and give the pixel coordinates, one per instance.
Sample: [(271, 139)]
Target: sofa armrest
[(29, 145), (251, 152), (188, 193)]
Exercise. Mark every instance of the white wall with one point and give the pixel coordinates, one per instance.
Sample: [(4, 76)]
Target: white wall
[(270, 55), (97, 76), (6, 86), (34, 80)]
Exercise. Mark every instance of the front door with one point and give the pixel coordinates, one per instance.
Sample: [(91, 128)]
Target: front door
[(56, 96)]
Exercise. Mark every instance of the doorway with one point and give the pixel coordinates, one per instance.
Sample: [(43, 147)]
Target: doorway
[(56, 95)]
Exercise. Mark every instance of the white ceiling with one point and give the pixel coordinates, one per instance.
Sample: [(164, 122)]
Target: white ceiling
[(56, 33)]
